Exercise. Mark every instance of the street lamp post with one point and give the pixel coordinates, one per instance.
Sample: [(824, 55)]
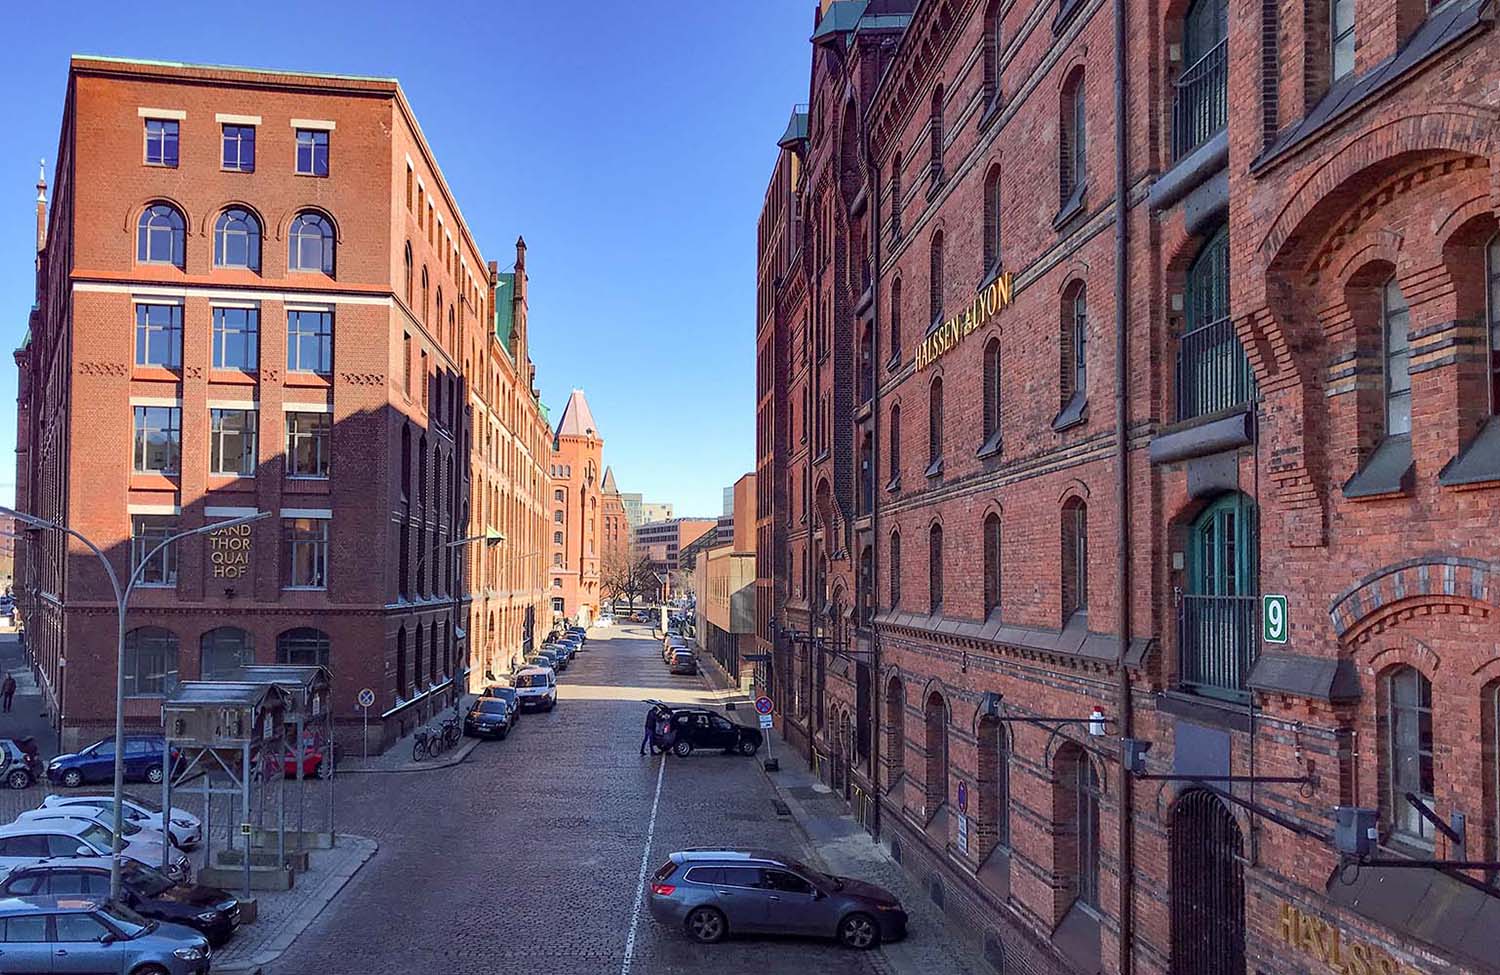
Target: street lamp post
[(490, 538), (122, 600)]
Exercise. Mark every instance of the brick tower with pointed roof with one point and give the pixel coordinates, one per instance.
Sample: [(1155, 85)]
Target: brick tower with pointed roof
[(575, 501)]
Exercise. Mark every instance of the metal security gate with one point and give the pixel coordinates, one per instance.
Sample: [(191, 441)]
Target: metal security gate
[(1208, 888)]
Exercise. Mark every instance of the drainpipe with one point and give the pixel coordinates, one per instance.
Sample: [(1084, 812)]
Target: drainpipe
[(872, 196), (1122, 490)]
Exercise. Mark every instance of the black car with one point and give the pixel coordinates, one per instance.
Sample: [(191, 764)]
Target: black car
[(489, 717), (508, 694), (212, 912), (702, 728), (580, 632)]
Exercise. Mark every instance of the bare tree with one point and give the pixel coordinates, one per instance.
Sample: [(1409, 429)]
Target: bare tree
[(623, 576)]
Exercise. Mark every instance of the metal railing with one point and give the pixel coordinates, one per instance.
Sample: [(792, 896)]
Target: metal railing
[(1212, 371), (1200, 106), (1216, 637)]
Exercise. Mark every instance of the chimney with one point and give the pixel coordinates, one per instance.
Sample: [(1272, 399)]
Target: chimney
[(41, 205)]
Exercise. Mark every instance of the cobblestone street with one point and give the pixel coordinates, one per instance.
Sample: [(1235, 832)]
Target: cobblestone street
[(529, 854)]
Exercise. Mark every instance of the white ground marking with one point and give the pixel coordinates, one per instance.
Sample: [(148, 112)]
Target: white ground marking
[(640, 883)]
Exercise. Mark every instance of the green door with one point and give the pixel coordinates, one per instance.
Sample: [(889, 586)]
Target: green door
[(1219, 611)]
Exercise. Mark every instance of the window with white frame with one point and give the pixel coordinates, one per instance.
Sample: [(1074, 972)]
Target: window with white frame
[(236, 339), (147, 532), (305, 553), (309, 341), (158, 439), (307, 444), (232, 439), (158, 335)]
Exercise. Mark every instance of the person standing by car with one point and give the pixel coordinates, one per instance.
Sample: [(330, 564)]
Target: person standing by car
[(647, 738), (8, 691)]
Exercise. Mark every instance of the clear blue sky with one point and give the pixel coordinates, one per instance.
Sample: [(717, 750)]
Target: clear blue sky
[(630, 144)]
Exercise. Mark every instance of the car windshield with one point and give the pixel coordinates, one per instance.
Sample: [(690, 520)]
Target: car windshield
[(145, 880), (502, 693), (491, 707), (98, 837), (131, 924), (531, 680)]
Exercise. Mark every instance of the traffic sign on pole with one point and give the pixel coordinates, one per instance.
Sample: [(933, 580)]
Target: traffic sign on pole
[(763, 705), (366, 697), (765, 721)]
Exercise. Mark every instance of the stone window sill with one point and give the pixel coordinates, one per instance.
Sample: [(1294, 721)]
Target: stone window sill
[(990, 448), (935, 469), (1387, 473), (1073, 414), (1071, 207)]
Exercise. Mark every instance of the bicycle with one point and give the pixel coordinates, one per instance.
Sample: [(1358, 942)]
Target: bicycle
[(452, 732), (425, 744)]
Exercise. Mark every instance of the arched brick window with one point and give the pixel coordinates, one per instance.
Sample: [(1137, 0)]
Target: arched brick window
[(426, 294), (935, 279), (895, 570), (1075, 558), (406, 274), (935, 570), (935, 715), (1406, 699), (895, 444), (303, 646), (993, 785), (896, 195), (161, 236), (991, 563), (150, 662), (1492, 277), (894, 312), (895, 728), (401, 685), (991, 428), (935, 134), (1075, 812), (1073, 376), (1072, 140), (223, 650), (935, 427), (991, 51), (237, 239), (310, 244)]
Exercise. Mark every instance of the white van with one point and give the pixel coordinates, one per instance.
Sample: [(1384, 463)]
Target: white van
[(536, 687)]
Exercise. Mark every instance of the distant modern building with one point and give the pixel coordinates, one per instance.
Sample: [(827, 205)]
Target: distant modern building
[(663, 541), (632, 503), (654, 511), (728, 511), (574, 488)]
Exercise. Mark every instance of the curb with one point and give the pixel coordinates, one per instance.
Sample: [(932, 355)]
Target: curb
[(447, 761), (293, 927)]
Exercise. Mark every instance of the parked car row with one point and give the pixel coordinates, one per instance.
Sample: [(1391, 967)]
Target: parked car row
[(677, 655), (533, 687)]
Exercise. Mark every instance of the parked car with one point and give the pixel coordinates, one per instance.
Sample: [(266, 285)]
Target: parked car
[(671, 644), (537, 687), (605, 619), (20, 762), (139, 844), (580, 632), (702, 728), (546, 658), (489, 717), (186, 829), (212, 912), (509, 696), (312, 762), (560, 651), (96, 763), (683, 661), (712, 893), (25, 842), (91, 935)]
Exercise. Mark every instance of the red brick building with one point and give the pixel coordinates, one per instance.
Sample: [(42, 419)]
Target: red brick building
[(257, 294), (1151, 422), (614, 527), (576, 525)]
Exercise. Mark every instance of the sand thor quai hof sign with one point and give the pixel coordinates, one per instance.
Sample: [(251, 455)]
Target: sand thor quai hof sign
[(229, 552)]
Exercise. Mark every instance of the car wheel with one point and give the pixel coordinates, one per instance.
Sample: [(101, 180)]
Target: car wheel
[(503, 733), (150, 970), (859, 931), (707, 925), (18, 778), (153, 775), (682, 749), (748, 746), (72, 778)]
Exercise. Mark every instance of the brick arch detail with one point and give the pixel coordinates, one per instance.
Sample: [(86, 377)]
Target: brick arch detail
[(1419, 585), (133, 215), (1410, 653), (1454, 128)]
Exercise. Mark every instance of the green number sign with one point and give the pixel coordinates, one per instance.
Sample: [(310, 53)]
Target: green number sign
[(1273, 619)]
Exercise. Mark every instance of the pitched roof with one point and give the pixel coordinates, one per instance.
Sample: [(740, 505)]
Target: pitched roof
[(577, 420), (608, 487)]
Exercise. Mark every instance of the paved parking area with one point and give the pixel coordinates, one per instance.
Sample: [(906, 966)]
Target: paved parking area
[(528, 856)]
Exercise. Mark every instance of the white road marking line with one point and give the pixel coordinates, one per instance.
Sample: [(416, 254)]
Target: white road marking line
[(640, 883)]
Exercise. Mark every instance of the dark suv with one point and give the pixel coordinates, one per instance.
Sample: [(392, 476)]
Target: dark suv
[(700, 728), (712, 893)]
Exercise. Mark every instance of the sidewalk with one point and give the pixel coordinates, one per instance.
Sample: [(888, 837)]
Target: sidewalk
[(398, 758), (283, 915), (26, 718), (839, 845)]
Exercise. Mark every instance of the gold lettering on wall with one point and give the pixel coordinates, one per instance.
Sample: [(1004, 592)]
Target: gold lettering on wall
[(945, 337), (1325, 942)]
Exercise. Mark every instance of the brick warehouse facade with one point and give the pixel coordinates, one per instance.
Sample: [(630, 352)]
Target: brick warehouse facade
[(576, 524), (257, 294), (1078, 459)]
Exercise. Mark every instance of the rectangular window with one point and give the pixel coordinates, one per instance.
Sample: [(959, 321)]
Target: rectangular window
[(409, 181), (158, 439), (406, 364), (158, 336), (304, 553), (309, 341), (1342, 35), (231, 441), (426, 382), (236, 339), (161, 142), (312, 152), (307, 444), (147, 532), (239, 148), (1397, 363)]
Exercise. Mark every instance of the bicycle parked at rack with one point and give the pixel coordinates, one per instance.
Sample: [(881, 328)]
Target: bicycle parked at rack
[(426, 743), (452, 732)]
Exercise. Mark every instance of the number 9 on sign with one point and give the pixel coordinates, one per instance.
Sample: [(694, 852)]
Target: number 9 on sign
[(1273, 622)]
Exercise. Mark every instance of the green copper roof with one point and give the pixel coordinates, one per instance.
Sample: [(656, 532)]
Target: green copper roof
[(885, 22), (234, 67), (546, 413), (505, 309), (796, 130), (842, 16)]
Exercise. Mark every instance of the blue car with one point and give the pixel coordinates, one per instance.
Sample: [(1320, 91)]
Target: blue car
[(96, 763), (77, 933)]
